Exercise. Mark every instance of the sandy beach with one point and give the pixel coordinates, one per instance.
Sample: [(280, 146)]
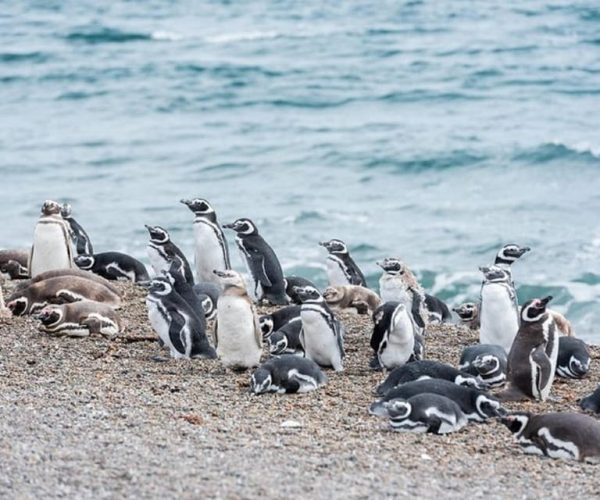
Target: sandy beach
[(94, 418)]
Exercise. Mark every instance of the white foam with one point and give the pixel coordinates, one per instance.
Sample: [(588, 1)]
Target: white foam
[(166, 36), (241, 37)]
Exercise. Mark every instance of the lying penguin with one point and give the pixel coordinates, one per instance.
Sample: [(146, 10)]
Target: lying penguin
[(80, 319), (487, 361), (287, 374), (573, 358)]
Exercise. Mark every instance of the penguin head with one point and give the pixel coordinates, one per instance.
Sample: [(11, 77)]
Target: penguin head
[(158, 235), (229, 278), (494, 274), (578, 367), (260, 381), (10, 267), (468, 380), (66, 210), (199, 206), (510, 253), (398, 408), (392, 265), (176, 271), (278, 343), (208, 306), (535, 309), (85, 262), (308, 293), (242, 226), (50, 315), (160, 286), (488, 407), (466, 311), (516, 422), (486, 364), (333, 294), (335, 246), (591, 402), (266, 325), (18, 306), (50, 208)]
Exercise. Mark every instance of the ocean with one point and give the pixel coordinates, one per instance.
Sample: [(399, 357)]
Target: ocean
[(433, 131)]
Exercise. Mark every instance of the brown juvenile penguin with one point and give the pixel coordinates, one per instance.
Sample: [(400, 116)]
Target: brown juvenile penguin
[(60, 273), (468, 313), (80, 319), (362, 299)]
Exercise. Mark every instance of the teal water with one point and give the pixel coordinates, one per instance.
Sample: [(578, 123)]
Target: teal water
[(435, 131)]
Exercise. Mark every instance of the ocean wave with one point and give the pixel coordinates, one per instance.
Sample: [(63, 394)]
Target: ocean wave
[(242, 37), (102, 34), (444, 160), (28, 57), (558, 150), (167, 36)]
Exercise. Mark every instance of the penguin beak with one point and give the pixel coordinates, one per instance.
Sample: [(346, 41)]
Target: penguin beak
[(545, 300), (484, 269), (456, 309), (149, 228), (380, 264), (220, 274), (323, 243), (229, 226), (525, 250), (185, 202)]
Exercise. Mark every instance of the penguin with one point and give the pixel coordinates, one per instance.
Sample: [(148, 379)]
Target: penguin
[(573, 359), (568, 436), (261, 261), (114, 266), (237, 332), (322, 335), (13, 263), (486, 361), (476, 405), (508, 255), (176, 323), (4, 311), (591, 402), (398, 283), (437, 310), (498, 313), (287, 374), (83, 244), (356, 297), (51, 242), (393, 338), (426, 369), (186, 292), (60, 290), (80, 319), (417, 354), (162, 251), (295, 281), (341, 268), (286, 340), (277, 319), (468, 314), (208, 293), (211, 249), (532, 357), (65, 273), (426, 412)]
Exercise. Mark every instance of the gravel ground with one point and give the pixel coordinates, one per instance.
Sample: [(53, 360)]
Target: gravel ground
[(93, 418)]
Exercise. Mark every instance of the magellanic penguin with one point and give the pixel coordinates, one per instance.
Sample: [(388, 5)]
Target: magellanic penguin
[(287, 374), (114, 266), (486, 361), (186, 292), (322, 335), (341, 268), (568, 436), (162, 252), (177, 325), (573, 358), (208, 293), (591, 402), (426, 413), (83, 244), (353, 297), (468, 314), (277, 319), (51, 242), (508, 255), (393, 338), (211, 250), (13, 263), (498, 313), (286, 340), (80, 319), (532, 357), (292, 282), (398, 283), (237, 332), (437, 310), (261, 261), (64, 273)]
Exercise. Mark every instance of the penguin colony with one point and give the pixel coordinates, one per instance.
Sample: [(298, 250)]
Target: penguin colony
[(209, 311)]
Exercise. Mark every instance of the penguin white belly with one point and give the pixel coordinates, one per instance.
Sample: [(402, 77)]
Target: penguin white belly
[(320, 343), (400, 342), (335, 274), (237, 346), (499, 320), (208, 253), (157, 261), (159, 323), (391, 288), (255, 291), (50, 249)]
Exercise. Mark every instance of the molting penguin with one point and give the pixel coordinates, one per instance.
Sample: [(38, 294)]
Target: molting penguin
[(80, 319), (14, 264), (162, 251), (114, 266), (426, 413), (177, 325), (468, 314), (237, 332), (83, 244), (569, 436), (532, 357), (277, 319), (487, 361), (573, 358), (286, 340), (51, 242), (261, 261), (393, 338), (287, 374), (498, 313), (211, 249), (292, 282), (476, 405), (426, 369), (341, 268), (322, 335), (591, 402), (363, 300)]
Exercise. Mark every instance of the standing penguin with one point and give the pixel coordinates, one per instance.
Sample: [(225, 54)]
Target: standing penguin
[(508, 255), (83, 245), (322, 335), (341, 268), (114, 266), (393, 338), (499, 316), (51, 242), (162, 251), (211, 250), (261, 261), (532, 357), (237, 333)]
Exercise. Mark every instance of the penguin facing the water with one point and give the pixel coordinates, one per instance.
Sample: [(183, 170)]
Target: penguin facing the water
[(341, 268), (211, 249), (261, 261), (162, 252), (393, 338), (83, 244), (114, 266)]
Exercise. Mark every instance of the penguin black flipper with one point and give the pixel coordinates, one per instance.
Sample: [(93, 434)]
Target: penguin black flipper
[(339, 334), (258, 268), (378, 328), (543, 365), (177, 329), (416, 308)]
